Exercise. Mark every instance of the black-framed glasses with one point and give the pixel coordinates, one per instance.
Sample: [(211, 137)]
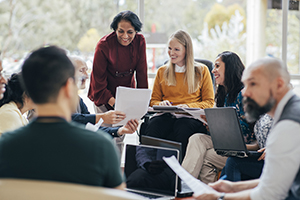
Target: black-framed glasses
[(122, 74)]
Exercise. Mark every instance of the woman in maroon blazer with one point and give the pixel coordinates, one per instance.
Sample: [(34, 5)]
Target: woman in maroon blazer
[(118, 55)]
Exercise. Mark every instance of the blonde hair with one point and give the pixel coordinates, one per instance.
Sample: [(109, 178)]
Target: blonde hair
[(193, 72)]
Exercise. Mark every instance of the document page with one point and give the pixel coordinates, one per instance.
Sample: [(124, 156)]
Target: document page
[(133, 102), (196, 185), (196, 112), (93, 127)]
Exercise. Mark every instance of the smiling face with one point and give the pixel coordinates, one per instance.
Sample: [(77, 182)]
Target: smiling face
[(125, 32), (81, 73), (219, 71), (176, 52)]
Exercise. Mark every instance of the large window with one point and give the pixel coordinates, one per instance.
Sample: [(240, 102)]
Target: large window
[(77, 25)]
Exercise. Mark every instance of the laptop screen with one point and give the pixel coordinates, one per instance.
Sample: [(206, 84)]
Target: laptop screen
[(225, 130), (146, 171), (153, 141)]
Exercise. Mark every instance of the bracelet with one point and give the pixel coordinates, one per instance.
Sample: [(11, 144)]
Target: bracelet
[(222, 196)]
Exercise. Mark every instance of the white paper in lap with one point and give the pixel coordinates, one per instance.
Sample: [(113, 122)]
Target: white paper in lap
[(196, 185), (196, 113), (133, 102)]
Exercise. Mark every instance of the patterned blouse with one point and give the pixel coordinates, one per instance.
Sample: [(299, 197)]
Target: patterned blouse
[(262, 128), (245, 126)]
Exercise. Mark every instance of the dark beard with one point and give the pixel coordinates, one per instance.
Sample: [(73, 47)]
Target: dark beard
[(253, 111)]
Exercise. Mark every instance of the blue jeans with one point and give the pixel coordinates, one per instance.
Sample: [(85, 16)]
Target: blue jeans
[(237, 169)]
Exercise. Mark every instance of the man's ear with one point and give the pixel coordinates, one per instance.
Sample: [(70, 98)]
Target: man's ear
[(280, 84), (69, 88)]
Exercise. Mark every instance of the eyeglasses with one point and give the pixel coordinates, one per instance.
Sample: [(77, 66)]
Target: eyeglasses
[(122, 74), (80, 80)]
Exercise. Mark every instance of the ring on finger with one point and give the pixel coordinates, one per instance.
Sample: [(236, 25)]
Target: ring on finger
[(117, 116)]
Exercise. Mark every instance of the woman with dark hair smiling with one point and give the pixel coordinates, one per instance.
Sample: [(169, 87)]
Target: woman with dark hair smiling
[(118, 56), (13, 105), (201, 160)]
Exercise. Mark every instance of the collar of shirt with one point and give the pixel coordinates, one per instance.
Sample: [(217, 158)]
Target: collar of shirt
[(281, 105), (179, 69)]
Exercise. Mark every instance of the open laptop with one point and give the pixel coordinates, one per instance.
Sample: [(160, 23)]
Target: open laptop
[(155, 179), (158, 142), (226, 134), (182, 189)]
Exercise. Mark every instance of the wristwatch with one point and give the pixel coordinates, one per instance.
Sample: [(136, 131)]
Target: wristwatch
[(222, 196)]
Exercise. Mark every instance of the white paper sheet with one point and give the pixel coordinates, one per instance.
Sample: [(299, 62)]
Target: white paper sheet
[(196, 185), (133, 102), (196, 113), (93, 127)]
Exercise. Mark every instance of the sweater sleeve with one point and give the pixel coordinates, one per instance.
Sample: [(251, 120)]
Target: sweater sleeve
[(9, 121), (84, 117), (98, 92), (141, 68), (83, 107), (113, 131), (206, 92), (157, 94)]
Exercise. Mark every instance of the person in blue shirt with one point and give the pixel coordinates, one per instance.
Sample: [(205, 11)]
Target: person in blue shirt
[(83, 116), (237, 169)]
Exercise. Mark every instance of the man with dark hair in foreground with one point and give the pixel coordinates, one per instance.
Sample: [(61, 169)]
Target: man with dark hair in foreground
[(50, 147), (267, 89)]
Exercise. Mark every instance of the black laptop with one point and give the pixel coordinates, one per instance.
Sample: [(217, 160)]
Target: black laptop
[(182, 189), (226, 134), (147, 173), (158, 142)]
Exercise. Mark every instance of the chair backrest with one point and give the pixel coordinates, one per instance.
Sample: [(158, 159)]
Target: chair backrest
[(210, 66), (19, 189)]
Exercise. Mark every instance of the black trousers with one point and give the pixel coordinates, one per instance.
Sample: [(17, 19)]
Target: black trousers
[(169, 127)]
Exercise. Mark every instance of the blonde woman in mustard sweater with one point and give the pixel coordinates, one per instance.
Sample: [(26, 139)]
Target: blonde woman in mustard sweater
[(184, 83)]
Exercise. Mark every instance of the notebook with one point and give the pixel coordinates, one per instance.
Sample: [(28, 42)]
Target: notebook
[(226, 134), (182, 189), (154, 179)]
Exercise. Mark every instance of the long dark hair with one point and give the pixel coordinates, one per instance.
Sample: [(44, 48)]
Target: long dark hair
[(233, 73), (14, 91)]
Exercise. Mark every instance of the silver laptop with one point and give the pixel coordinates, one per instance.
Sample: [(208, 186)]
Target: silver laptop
[(182, 189), (226, 134), (146, 172)]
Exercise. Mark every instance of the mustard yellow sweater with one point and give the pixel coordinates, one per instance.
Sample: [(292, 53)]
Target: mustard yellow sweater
[(202, 98)]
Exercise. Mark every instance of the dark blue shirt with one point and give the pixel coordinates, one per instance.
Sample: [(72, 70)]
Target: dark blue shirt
[(238, 104)]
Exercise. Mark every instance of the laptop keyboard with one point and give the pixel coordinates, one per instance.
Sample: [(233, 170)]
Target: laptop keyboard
[(151, 196), (232, 153)]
